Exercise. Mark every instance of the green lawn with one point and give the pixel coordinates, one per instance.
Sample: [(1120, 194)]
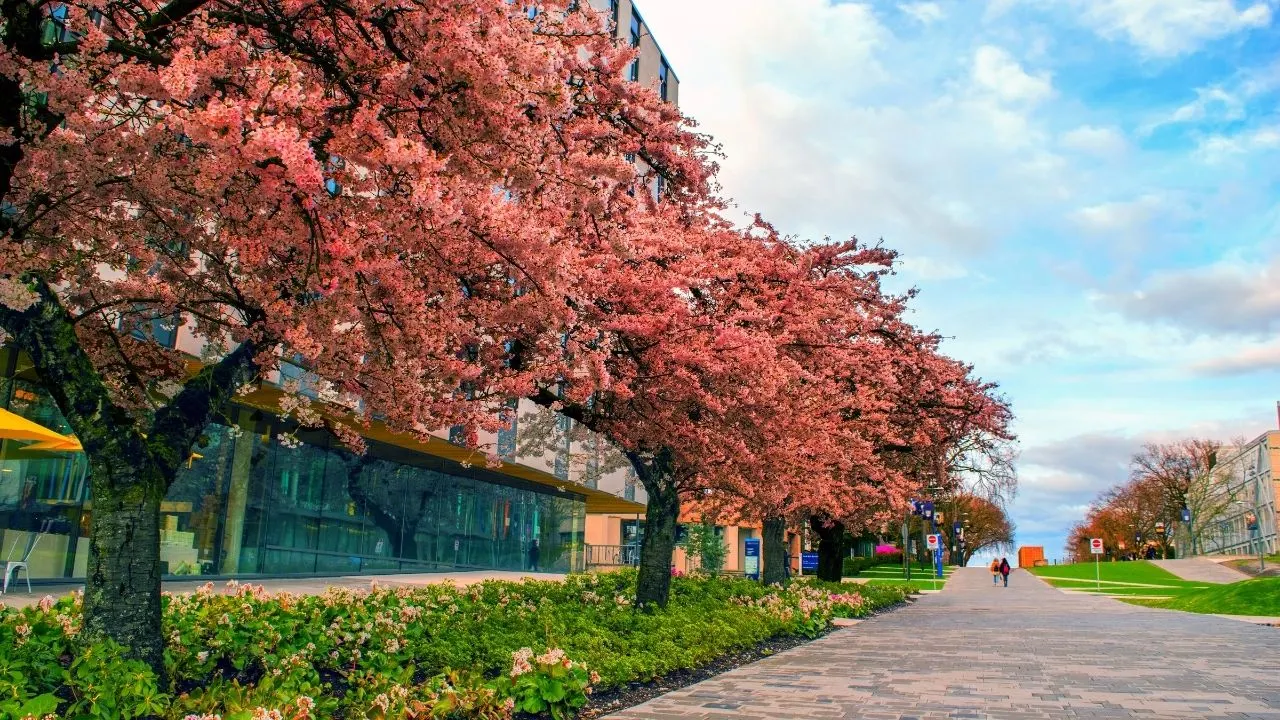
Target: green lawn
[(1250, 597), (921, 576), (1135, 579), (1136, 571), (1137, 591)]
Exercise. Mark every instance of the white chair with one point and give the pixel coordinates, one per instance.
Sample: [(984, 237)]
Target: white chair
[(11, 566)]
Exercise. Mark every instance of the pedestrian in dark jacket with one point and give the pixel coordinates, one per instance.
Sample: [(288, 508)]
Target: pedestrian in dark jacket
[(1005, 570), (533, 555)]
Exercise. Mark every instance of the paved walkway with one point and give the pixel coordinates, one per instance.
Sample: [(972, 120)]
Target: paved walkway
[(297, 586), (1026, 652), (1201, 570)]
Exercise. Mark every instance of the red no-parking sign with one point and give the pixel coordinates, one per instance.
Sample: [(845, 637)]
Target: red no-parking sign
[(1095, 546)]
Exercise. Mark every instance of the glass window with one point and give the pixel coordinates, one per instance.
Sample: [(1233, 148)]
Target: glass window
[(507, 435), (157, 327), (247, 505), (663, 70), (635, 29), (42, 492)]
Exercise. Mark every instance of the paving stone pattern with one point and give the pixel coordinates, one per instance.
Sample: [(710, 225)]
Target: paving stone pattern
[(1023, 652)]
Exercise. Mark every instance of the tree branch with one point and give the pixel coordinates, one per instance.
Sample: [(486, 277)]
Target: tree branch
[(179, 423)]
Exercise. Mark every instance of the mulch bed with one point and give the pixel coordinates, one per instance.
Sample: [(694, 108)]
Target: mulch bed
[(635, 693)]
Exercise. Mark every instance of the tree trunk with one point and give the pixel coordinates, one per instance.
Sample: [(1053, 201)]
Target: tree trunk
[(132, 463), (830, 549), (653, 586), (122, 589), (775, 551)]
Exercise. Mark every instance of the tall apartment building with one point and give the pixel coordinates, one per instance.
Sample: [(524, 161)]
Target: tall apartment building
[(247, 505)]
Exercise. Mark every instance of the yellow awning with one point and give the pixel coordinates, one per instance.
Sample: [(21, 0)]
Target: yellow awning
[(16, 427)]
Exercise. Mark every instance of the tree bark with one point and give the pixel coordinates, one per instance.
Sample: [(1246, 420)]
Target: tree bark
[(122, 589), (775, 551), (830, 549), (662, 512)]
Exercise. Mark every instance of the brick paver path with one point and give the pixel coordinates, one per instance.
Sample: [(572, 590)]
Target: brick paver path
[(1028, 651)]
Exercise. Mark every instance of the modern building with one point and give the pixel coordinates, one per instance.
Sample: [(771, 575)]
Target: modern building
[(248, 504), (1246, 485)]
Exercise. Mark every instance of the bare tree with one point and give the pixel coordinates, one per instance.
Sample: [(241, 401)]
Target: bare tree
[(1183, 474), (986, 527), (985, 465)]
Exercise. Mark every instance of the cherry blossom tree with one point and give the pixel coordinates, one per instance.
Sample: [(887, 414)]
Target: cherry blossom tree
[(381, 193), (690, 372)]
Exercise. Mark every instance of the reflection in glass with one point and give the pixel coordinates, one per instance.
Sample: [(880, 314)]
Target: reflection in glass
[(247, 505)]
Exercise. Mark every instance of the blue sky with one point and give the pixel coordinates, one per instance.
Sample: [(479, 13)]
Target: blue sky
[(1087, 193)]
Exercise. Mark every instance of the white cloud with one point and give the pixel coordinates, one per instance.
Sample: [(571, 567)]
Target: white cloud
[(1244, 361), (1227, 298), (832, 125), (927, 268), (1119, 218), (923, 12), (1099, 141), (1221, 148), (1172, 27), (995, 70)]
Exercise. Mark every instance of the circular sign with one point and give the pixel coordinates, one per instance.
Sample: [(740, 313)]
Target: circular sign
[(1096, 542)]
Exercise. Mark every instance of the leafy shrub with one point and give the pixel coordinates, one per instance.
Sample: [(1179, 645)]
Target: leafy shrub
[(703, 543), (550, 682), (424, 652), (853, 566)]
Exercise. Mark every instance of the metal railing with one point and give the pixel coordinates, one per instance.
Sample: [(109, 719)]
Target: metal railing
[(612, 555)]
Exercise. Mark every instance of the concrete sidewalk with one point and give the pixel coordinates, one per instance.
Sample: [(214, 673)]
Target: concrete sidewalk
[(297, 586), (1025, 652), (1201, 570)]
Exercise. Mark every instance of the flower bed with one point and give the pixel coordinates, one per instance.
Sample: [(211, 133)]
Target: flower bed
[(487, 651)]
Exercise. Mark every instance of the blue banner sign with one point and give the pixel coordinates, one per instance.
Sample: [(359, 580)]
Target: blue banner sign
[(751, 558)]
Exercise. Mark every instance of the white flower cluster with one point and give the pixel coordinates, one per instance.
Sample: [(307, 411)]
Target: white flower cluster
[(15, 295)]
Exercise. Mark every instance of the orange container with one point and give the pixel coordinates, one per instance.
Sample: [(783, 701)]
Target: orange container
[(1030, 556)]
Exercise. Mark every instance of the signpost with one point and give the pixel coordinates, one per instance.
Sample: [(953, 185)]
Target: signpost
[(1096, 547), (751, 558), (934, 542), (808, 562)]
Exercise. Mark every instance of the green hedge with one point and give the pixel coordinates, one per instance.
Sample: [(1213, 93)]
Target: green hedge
[(401, 652), (855, 565)]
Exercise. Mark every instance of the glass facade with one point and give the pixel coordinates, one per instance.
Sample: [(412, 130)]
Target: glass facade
[(248, 505)]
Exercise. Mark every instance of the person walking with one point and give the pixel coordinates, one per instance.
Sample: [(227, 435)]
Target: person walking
[(1005, 570), (533, 555), (995, 571)]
